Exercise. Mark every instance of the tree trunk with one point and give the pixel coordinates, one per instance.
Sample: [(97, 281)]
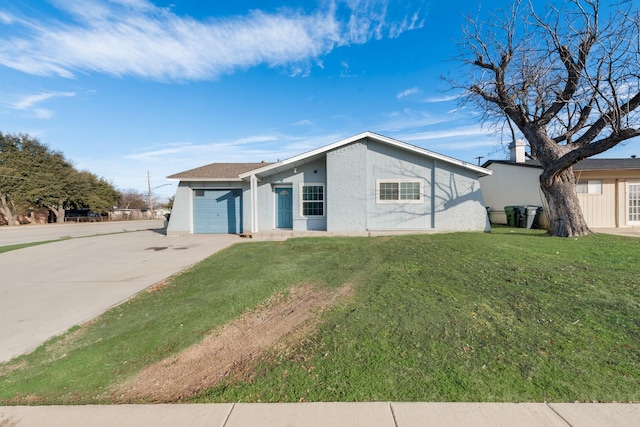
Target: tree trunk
[(6, 210), (59, 212), (565, 213), (60, 215)]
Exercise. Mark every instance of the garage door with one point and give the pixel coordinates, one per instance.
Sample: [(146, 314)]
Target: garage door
[(217, 211)]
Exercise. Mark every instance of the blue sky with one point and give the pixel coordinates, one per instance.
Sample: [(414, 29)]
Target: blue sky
[(126, 87)]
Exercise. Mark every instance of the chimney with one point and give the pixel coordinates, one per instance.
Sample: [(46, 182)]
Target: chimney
[(516, 151)]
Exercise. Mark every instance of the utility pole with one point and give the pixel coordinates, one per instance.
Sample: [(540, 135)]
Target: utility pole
[(150, 201)]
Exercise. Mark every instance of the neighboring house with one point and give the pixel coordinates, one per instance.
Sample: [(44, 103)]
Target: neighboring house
[(364, 183), (608, 189)]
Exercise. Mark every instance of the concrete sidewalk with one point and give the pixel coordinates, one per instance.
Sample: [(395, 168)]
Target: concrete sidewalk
[(374, 414)]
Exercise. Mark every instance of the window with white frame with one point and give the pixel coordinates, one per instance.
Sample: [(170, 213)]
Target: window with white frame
[(399, 191), (592, 186), (312, 199)]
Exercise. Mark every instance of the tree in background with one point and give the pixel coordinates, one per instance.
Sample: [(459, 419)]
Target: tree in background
[(567, 79), (13, 180), (31, 173), (133, 199), (100, 195)]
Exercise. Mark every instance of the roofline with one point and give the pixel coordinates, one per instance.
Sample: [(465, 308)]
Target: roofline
[(190, 179), (354, 138), (510, 163)]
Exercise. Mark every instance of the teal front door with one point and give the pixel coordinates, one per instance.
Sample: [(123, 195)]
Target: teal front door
[(284, 208)]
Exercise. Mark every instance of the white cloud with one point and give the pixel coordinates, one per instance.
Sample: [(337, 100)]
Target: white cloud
[(464, 131), (31, 100), (409, 92), (135, 37), (444, 98)]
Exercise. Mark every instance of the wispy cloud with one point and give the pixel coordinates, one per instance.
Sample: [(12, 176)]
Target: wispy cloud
[(409, 92), (459, 132), (136, 37), (452, 139), (444, 98), (31, 102)]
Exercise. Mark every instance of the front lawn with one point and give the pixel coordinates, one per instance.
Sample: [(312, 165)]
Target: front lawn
[(513, 315)]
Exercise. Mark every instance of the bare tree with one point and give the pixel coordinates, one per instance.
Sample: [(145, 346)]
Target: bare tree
[(567, 78)]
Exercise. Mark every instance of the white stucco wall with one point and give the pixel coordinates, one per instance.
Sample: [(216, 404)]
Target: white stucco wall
[(510, 185)]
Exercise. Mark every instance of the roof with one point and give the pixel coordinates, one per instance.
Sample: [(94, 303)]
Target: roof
[(319, 152), (583, 165), (607, 164), (217, 172)]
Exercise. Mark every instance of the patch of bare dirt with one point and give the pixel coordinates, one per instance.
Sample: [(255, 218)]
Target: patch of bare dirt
[(231, 350)]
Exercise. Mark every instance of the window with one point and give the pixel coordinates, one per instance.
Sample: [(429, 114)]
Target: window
[(589, 187), (399, 191), (313, 200), (199, 193)]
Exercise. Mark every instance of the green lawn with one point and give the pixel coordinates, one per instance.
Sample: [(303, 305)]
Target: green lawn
[(8, 248), (513, 315)]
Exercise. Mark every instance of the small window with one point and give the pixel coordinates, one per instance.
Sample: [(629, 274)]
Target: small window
[(313, 200), (398, 191), (589, 187), (199, 193)]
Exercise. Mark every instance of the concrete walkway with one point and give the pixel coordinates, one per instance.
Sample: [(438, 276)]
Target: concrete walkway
[(375, 414)]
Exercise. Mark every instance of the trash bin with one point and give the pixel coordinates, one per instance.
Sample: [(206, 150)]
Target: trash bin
[(530, 216), (510, 212), (521, 211)]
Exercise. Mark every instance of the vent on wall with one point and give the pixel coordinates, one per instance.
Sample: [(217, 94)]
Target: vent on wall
[(199, 193)]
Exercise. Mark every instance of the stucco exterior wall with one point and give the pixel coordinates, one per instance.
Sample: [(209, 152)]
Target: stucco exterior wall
[(510, 185), (385, 162), (355, 170), (347, 186), (310, 173), (180, 221), (458, 201)]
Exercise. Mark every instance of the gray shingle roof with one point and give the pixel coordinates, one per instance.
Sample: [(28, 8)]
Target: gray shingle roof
[(583, 165), (217, 171)]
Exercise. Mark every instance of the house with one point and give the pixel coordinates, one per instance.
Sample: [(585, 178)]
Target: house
[(608, 189), (364, 183)]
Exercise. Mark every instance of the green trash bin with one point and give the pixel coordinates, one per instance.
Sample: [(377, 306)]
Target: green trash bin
[(510, 212)]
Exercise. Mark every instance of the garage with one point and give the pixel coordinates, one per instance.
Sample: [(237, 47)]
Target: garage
[(217, 211)]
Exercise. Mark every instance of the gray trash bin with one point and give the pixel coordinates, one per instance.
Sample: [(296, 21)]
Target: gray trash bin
[(530, 216)]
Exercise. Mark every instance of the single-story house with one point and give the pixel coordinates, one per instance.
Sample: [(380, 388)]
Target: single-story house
[(364, 183), (608, 189)]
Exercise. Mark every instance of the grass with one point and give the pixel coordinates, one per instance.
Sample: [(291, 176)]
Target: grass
[(513, 315), (8, 248)]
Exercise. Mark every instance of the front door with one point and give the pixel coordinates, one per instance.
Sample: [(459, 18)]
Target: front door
[(284, 208), (633, 203)]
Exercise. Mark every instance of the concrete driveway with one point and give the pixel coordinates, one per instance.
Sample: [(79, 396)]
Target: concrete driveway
[(46, 289), (44, 232)]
